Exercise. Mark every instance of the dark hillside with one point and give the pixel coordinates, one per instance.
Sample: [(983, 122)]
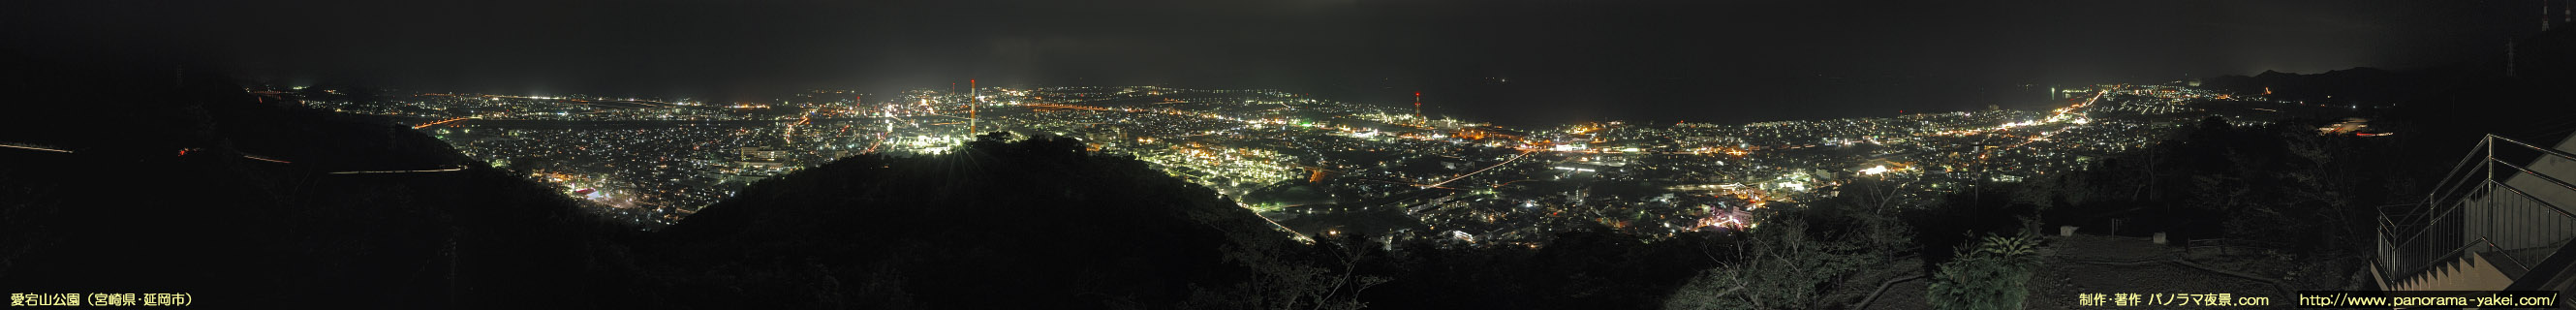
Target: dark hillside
[(187, 184), (1037, 223)]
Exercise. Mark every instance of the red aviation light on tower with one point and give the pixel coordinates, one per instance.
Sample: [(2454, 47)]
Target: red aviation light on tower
[(1417, 107)]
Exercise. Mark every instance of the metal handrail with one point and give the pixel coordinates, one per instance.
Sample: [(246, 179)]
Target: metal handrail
[(2432, 212), (2454, 253), (2543, 204), (2508, 257), (2439, 192), (2386, 219), (2451, 189), (2453, 197), (2411, 242), (2552, 207), (2388, 280), (2433, 219), (2430, 261), (2543, 150)]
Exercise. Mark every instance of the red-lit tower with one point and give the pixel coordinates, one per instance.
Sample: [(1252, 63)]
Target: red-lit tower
[(1417, 107)]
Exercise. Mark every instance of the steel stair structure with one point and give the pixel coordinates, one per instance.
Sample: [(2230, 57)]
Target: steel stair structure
[(2500, 220)]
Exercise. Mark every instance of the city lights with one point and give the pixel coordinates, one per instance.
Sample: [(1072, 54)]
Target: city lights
[(1244, 143)]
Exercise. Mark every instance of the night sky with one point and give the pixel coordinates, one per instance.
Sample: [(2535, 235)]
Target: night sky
[(1514, 62)]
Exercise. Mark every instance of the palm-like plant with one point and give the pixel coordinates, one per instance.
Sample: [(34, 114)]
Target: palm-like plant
[(1988, 276), (2009, 247)]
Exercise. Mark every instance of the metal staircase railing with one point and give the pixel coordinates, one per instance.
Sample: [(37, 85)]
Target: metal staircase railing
[(2478, 210)]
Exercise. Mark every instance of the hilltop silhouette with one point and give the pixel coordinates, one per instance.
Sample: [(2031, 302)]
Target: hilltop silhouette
[(1033, 223)]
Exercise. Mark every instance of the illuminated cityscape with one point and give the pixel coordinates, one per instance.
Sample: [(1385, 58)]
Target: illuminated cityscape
[(1320, 166), (1288, 154)]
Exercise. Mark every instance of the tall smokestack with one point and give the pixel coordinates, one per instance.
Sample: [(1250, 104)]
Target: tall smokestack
[(1417, 107)]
